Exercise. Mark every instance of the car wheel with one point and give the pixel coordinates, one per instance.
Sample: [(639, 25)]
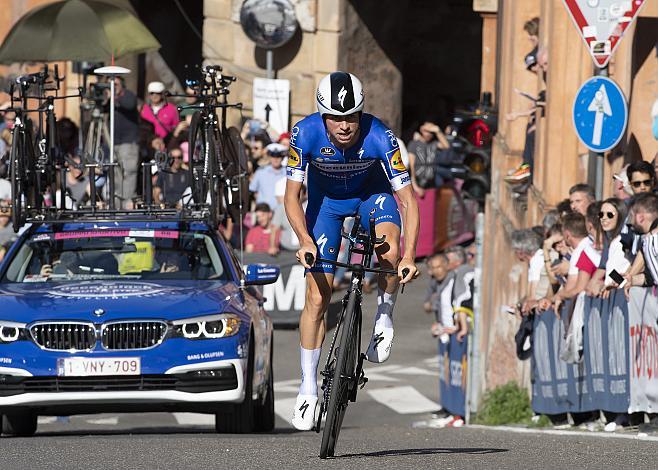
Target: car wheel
[(239, 418), (264, 413), (19, 424)]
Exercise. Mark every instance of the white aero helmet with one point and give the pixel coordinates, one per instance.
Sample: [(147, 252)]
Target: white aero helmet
[(340, 94)]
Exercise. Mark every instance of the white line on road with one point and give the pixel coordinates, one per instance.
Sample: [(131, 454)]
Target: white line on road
[(195, 419), (559, 432), (416, 371), (403, 400), (283, 408)]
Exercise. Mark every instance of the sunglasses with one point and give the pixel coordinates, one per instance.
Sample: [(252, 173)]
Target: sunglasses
[(609, 215), (154, 93), (177, 158), (637, 184)]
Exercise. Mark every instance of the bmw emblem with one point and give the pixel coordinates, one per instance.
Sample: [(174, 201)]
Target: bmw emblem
[(99, 312)]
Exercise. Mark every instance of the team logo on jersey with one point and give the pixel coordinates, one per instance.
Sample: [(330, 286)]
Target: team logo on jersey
[(395, 160), (327, 151), (294, 159)]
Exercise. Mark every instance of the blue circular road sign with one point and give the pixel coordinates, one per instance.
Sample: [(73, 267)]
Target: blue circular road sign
[(600, 114)]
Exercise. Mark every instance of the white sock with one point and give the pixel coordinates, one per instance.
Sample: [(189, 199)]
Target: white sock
[(385, 305), (310, 359)]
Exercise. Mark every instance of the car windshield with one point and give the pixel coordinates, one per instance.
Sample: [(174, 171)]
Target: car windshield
[(116, 254)]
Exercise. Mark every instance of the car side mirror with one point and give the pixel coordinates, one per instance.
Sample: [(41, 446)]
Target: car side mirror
[(261, 274)]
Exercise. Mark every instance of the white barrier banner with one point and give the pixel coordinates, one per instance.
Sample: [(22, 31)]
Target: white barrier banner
[(643, 347)]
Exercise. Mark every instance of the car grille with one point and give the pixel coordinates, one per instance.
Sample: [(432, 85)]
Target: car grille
[(133, 335), (191, 382), (64, 336)]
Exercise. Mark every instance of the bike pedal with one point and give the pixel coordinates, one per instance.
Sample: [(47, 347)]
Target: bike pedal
[(363, 380)]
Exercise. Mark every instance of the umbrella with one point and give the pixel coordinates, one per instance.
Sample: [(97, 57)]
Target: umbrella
[(82, 30)]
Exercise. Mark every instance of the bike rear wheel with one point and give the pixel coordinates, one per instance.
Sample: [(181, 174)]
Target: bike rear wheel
[(344, 378)]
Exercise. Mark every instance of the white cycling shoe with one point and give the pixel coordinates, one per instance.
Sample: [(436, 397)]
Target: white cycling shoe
[(305, 411), (380, 345)]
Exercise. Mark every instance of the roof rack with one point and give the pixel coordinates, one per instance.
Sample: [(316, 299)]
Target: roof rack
[(217, 163)]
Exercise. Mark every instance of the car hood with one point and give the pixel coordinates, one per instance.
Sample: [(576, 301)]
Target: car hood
[(100, 301)]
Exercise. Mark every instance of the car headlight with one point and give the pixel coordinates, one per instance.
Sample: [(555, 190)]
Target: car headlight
[(11, 331), (207, 327)]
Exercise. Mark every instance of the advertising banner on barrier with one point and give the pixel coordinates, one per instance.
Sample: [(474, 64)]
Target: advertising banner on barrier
[(453, 371), (285, 298), (643, 315), (600, 381)]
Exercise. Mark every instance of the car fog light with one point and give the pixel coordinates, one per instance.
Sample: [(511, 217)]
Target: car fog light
[(9, 334)]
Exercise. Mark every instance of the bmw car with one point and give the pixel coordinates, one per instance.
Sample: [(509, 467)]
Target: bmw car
[(128, 316)]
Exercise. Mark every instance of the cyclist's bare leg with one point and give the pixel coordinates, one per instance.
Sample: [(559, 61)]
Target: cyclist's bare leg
[(312, 328), (388, 254), (311, 322), (311, 332)]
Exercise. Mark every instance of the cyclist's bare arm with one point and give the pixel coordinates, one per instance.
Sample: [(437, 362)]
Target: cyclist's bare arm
[(411, 224), (295, 213)]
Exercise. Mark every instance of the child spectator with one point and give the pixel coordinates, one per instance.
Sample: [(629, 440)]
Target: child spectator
[(262, 237)]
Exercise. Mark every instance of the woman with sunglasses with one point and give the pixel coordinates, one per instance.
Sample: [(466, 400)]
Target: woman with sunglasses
[(611, 217)]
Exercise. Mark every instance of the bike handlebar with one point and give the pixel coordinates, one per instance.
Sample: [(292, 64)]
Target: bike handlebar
[(310, 260)]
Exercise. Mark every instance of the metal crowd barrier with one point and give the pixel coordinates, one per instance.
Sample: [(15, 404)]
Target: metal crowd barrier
[(619, 365)]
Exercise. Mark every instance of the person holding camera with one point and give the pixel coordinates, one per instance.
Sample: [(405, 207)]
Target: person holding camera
[(427, 158), (172, 183)]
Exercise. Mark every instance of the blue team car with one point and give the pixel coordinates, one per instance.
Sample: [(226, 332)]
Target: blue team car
[(139, 315)]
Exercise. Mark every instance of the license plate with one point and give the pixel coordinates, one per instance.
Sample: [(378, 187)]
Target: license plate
[(86, 366)]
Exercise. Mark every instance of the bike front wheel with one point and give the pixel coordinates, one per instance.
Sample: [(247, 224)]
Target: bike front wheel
[(344, 379)]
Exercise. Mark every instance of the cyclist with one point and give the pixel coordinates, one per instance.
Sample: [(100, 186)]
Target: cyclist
[(354, 166)]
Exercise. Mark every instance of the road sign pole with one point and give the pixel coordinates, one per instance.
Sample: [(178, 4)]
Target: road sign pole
[(269, 59), (597, 159)]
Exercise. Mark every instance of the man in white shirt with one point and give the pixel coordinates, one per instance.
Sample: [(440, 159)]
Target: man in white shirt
[(527, 246)]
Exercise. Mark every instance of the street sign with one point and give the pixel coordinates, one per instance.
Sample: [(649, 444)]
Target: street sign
[(602, 23), (600, 114), (272, 102)]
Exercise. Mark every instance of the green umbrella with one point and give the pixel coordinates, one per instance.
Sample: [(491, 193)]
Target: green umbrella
[(91, 30)]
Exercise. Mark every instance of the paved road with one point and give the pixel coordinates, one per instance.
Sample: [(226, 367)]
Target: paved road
[(378, 428)]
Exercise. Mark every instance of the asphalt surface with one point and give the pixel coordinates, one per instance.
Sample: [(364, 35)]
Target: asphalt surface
[(378, 429)]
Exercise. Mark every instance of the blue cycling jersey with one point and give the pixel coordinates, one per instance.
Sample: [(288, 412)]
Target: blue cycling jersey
[(372, 163)]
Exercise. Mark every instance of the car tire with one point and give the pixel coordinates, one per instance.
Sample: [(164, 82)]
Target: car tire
[(239, 418), (264, 413), (19, 424)]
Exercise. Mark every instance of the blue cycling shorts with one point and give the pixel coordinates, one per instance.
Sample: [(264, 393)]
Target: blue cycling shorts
[(325, 216)]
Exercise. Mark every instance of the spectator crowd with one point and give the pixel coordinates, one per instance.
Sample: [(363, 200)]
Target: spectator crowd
[(586, 247)]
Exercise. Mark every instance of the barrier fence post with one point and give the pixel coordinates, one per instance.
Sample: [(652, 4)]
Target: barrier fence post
[(473, 383)]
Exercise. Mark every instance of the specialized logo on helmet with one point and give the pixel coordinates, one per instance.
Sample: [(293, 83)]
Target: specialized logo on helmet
[(341, 96)]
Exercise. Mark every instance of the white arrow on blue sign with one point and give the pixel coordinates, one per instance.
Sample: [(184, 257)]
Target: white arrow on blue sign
[(600, 114)]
